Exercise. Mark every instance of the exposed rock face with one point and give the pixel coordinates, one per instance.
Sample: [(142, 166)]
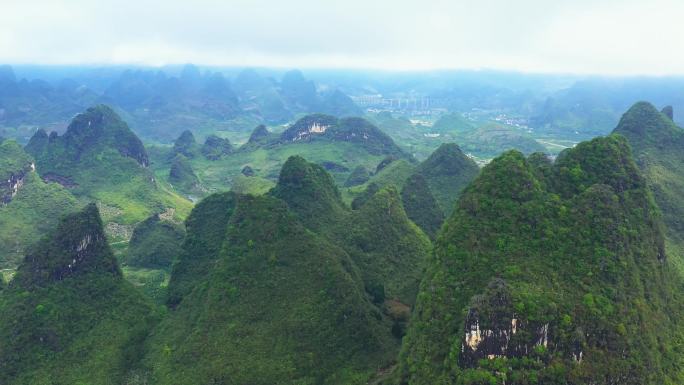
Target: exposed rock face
[(493, 330), (77, 246), (668, 111), (15, 164), (308, 127), (90, 132), (11, 186)]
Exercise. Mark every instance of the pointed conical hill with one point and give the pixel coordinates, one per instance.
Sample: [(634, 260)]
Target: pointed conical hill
[(38, 142), (155, 243), (215, 147), (99, 158), (447, 171), (310, 192), (384, 244), (29, 207), (559, 282), (186, 145), (260, 132), (643, 125), (278, 305), (387, 247), (657, 144), (421, 206), (69, 316), (78, 246), (96, 129), (206, 228), (183, 177), (358, 176)]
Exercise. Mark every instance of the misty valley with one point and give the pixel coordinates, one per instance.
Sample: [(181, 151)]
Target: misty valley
[(199, 225)]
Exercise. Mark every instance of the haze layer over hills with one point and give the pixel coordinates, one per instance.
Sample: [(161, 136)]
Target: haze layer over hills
[(206, 225)]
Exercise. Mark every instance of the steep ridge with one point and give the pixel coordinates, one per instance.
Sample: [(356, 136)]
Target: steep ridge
[(385, 245), (563, 280), (353, 130), (657, 143), (311, 193), (447, 171), (29, 207), (421, 206), (68, 316), (270, 302), (100, 158), (155, 243), (15, 163), (186, 145), (214, 147)]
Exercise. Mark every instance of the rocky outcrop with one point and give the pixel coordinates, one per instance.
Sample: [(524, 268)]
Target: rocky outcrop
[(493, 330), (11, 186), (77, 246), (308, 127), (14, 182)]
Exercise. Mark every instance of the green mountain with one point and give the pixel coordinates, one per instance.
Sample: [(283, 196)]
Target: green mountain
[(155, 243), (340, 145), (183, 177), (421, 206), (215, 147), (99, 158), (385, 245), (657, 144), (562, 280), (447, 171), (453, 123), (29, 207), (311, 193), (359, 175), (353, 130), (389, 249), (15, 163), (186, 145), (68, 316), (364, 196), (259, 299)]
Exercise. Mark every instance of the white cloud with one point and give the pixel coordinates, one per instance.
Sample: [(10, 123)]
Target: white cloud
[(584, 36)]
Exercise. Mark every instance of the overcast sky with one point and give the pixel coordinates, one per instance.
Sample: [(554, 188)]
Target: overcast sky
[(577, 36)]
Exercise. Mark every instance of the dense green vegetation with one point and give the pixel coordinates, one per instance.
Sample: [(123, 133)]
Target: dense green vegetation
[(359, 175), (29, 206), (447, 171), (385, 245), (183, 177), (341, 146), (259, 299), (215, 147), (34, 210), (99, 158), (318, 266), (68, 316), (561, 279), (657, 144), (186, 145), (155, 243), (421, 206)]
